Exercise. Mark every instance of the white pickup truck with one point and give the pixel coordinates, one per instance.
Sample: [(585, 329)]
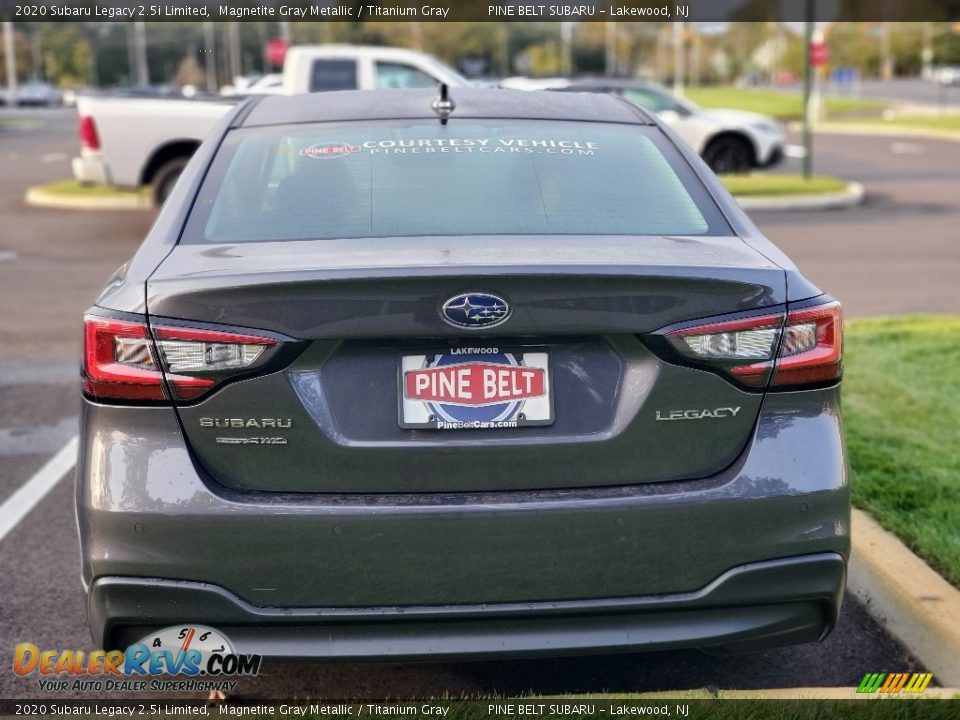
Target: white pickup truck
[(135, 142)]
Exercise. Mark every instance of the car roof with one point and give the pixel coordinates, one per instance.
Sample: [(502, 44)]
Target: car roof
[(589, 82), (475, 103), (344, 50)]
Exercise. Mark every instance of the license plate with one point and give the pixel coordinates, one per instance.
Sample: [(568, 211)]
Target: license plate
[(475, 389)]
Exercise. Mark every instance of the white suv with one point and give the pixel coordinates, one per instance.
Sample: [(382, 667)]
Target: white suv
[(729, 141)]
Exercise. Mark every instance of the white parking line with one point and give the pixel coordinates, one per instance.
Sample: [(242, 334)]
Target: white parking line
[(903, 148), (26, 497)]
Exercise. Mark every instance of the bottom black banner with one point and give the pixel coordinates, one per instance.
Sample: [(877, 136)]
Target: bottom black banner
[(534, 708)]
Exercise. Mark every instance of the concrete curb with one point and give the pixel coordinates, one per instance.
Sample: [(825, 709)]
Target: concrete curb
[(836, 128), (38, 197), (917, 606), (850, 196)]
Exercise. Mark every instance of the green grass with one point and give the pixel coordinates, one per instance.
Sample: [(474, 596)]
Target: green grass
[(902, 417), (12, 123), (949, 123), (72, 188), (764, 185), (782, 105)]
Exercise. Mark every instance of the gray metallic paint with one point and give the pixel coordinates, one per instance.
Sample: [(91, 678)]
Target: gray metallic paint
[(344, 437), (785, 496), (154, 520), (740, 610), (392, 287)]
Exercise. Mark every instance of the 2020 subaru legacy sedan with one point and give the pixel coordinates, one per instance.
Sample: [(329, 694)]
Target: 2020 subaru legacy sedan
[(499, 373)]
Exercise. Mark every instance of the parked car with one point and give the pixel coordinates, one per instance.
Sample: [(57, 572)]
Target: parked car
[(485, 374), (38, 94), (947, 75), (730, 141), (271, 84), (134, 142)]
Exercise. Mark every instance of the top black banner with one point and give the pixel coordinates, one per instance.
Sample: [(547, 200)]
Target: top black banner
[(486, 11)]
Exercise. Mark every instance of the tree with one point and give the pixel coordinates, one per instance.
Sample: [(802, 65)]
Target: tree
[(67, 55)]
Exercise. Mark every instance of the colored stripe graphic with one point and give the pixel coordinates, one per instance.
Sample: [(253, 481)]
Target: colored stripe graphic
[(871, 682), (918, 682), (894, 683)]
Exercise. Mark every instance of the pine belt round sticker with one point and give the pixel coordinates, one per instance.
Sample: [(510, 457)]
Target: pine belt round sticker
[(329, 150)]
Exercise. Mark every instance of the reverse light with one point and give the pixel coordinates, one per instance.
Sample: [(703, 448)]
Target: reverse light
[(123, 360), (191, 350), (803, 348), (734, 345), (744, 347)]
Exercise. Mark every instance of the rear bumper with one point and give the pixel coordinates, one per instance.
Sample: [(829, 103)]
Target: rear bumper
[(607, 568), (89, 167), (755, 606)]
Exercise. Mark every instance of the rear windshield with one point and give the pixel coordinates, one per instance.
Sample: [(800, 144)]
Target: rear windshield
[(466, 178)]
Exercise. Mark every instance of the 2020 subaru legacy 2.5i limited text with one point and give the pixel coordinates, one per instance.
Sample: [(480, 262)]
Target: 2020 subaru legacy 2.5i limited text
[(502, 374)]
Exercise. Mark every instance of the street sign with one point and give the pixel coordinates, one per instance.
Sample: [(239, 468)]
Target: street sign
[(845, 75), (275, 51), (819, 54)]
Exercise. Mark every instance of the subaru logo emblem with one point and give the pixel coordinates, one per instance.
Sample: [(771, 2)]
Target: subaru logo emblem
[(475, 310)]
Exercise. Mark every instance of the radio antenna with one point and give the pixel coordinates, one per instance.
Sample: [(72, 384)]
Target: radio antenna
[(443, 105)]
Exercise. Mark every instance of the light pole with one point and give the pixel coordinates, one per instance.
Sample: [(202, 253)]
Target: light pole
[(233, 51), (611, 59), (11, 61), (678, 58), (926, 54), (36, 55), (137, 54), (807, 89), (566, 47), (662, 54), (210, 56), (886, 56)]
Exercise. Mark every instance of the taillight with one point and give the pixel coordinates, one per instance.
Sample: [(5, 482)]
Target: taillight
[(88, 133), (118, 361), (123, 362), (800, 349), (812, 347)]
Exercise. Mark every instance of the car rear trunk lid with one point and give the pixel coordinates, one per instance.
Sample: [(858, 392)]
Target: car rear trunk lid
[(330, 422)]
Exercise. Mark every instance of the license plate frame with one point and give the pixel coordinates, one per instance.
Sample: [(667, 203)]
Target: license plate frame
[(516, 369)]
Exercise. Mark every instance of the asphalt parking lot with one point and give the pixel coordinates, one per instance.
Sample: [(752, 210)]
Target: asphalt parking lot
[(895, 254)]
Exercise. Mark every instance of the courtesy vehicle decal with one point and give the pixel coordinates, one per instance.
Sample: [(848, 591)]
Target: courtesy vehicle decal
[(454, 145)]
